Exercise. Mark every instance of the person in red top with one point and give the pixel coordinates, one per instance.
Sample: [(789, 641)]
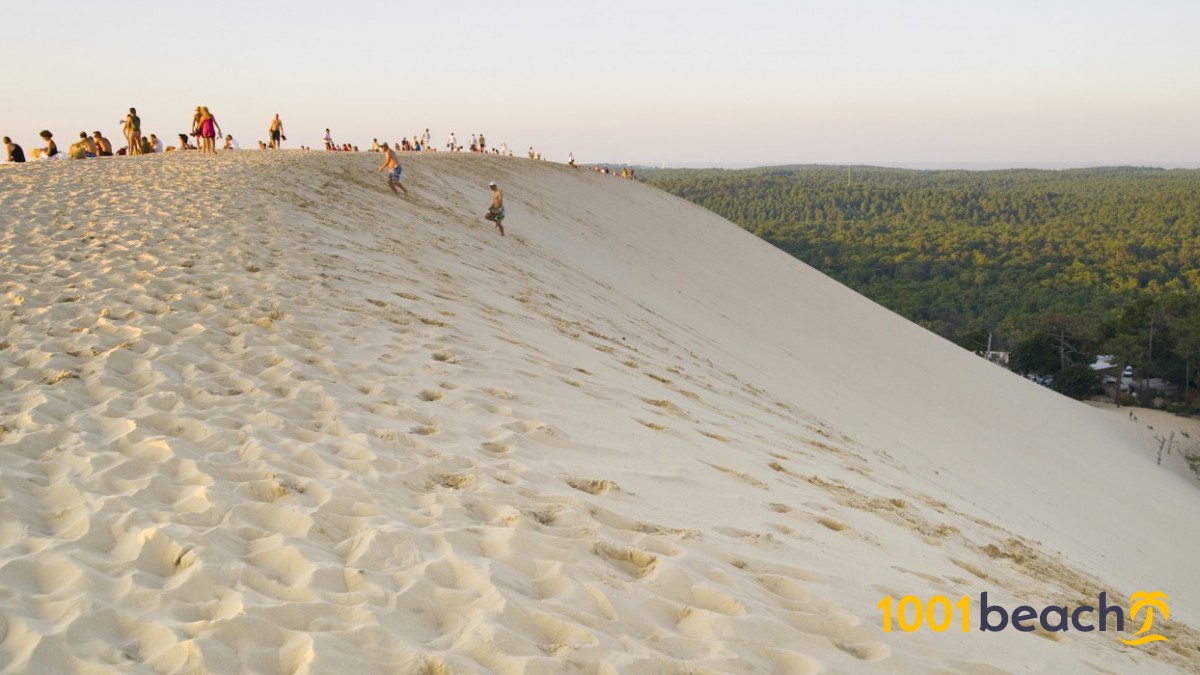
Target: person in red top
[(209, 130)]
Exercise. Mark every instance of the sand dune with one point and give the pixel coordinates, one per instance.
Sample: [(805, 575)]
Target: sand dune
[(259, 415)]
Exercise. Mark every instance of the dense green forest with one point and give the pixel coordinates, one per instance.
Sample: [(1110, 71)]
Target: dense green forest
[(1054, 266)]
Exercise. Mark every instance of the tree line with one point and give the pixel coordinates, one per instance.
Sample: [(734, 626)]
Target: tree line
[(1053, 266)]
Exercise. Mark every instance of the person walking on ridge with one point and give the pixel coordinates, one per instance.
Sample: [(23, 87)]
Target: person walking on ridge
[(276, 132)]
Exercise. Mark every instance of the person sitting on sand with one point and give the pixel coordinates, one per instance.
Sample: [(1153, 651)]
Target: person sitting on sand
[(51, 149), (78, 150), (155, 143), (103, 145), (495, 212), (392, 162), (230, 144), (88, 144), (147, 148), (15, 153)]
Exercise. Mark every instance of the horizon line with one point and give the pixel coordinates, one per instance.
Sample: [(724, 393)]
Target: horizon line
[(926, 165)]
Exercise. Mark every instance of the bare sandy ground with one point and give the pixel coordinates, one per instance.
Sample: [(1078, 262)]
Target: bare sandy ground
[(260, 415)]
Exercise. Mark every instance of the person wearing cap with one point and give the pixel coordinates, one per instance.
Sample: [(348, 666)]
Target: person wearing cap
[(390, 161), (495, 212)]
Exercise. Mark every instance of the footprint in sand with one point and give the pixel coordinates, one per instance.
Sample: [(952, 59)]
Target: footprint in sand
[(425, 429), (525, 426), (866, 651), (593, 487), (498, 447), (635, 562)]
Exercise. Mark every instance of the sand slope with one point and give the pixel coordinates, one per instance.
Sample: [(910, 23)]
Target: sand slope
[(260, 415)]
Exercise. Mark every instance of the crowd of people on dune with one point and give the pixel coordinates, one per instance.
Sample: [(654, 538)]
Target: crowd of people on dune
[(206, 132), (204, 136)]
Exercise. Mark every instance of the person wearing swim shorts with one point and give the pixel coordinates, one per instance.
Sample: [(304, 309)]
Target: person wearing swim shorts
[(495, 212), (276, 131), (392, 163), (103, 145)]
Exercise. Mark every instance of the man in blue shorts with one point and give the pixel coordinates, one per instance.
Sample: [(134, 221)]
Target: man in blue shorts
[(390, 161), (495, 212)]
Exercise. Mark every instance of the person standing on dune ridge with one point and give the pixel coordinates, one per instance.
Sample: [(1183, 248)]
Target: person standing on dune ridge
[(276, 132), (133, 132)]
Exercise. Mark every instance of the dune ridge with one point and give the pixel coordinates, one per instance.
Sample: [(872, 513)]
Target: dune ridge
[(259, 414)]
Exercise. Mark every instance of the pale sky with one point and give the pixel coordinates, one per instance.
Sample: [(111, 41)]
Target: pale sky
[(910, 82)]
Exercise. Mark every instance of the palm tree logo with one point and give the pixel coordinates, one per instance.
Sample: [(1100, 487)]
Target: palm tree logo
[(1149, 602)]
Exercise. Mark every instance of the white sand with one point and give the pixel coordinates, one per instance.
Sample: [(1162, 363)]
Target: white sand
[(260, 415)]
